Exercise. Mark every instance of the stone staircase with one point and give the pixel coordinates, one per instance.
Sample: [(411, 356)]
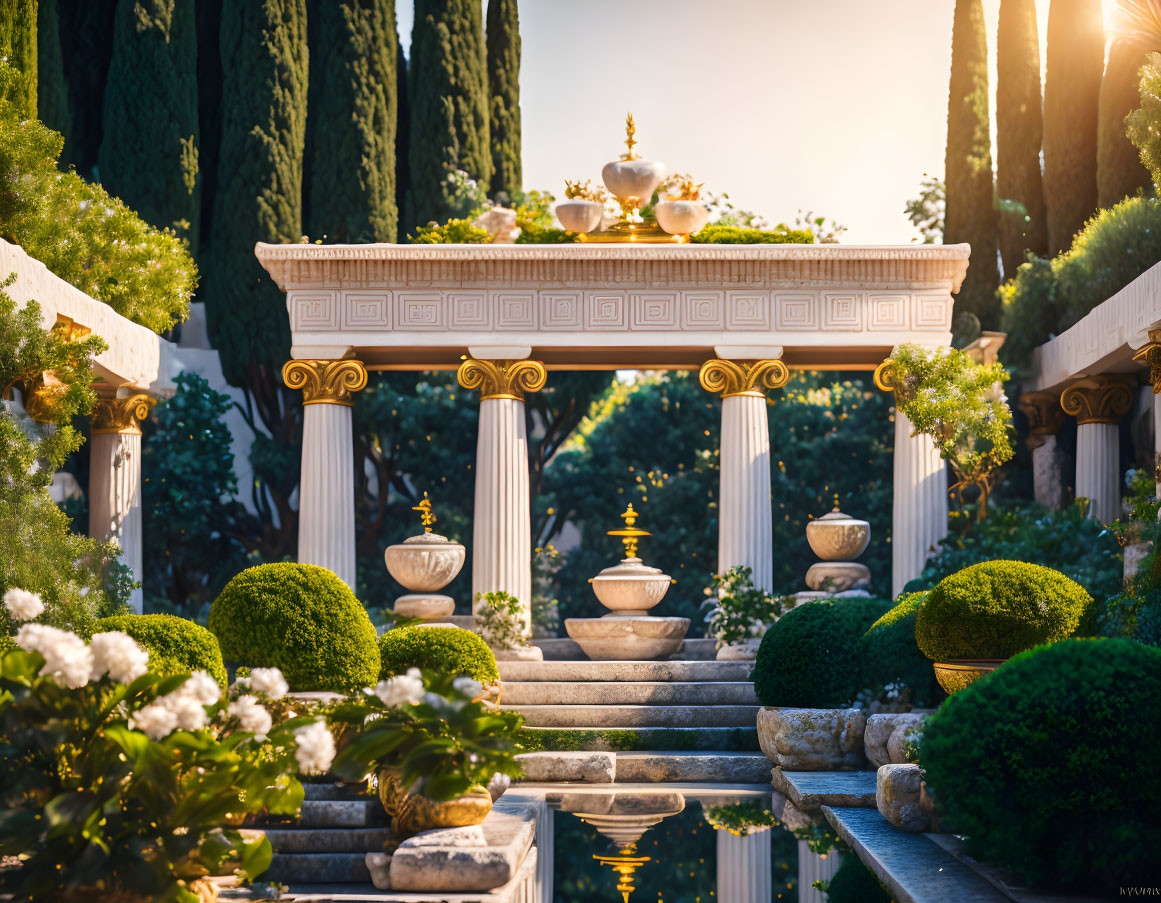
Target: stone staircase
[(327, 844)]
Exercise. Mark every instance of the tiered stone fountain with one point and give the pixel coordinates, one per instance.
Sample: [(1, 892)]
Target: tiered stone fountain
[(424, 564), (837, 539), (629, 590)]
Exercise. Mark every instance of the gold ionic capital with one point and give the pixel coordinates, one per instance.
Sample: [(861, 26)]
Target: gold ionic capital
[(1044, 416), (1150, 356), (502, 379), (325, 382), (120, 415), (1097, 399), (730, 378), (885, 376)]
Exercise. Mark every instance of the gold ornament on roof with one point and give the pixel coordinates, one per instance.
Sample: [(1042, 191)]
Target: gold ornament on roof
[(426, 515), (1150, 356), (885, 376), (584, 191), (631, 534), (630, 139)]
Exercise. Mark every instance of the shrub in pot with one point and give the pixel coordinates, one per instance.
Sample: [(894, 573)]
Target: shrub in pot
[(301, 619), (1048, 765), (812, 657), (892, 657), (175, 645)]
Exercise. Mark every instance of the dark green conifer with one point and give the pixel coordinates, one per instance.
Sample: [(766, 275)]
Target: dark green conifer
[(1019, 133), (503, 39), (86, 44), (18, 46), (52, 99), (971, 216), (449, 104), (351, 121), (149, 142), (1119, 169), (1072, 86), (402, 139)]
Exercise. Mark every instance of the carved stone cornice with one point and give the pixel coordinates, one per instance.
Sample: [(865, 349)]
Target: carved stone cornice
[(502, 379), (1097, 399), (325, 382), (120, 415), (1150, 356), (742, 377), (1044, 416)]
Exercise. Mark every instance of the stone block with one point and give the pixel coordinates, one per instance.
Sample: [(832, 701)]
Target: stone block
[(885, 735), (812, 739), (569, 767), (897, 791)]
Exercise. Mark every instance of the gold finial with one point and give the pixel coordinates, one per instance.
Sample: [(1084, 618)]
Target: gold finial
[(425, 516), (630, 139), (630, 534), (836, 500)]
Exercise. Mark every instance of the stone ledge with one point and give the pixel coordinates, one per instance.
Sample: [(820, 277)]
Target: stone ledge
[(593, 767), (810, 790)]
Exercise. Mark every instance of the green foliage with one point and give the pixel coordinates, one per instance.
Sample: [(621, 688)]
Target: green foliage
[(259, 196), (812, 657), (52, 101), (969, 216), (855, 883), (995, 609), (188, 503), (503, 52), (738, 609), (301, 619), (1115, 247), (539, 739), (453, 232), (736, 235), (448, 86), (175, 645), (740, 819), (147, 160), (1066, 540), (891, 654), (83, 234), (927, 211), (445, 650), (498, 617), (1036, 765), (351, 121), (426, 731), (18, 46), (1120, 173), (1143, 123)]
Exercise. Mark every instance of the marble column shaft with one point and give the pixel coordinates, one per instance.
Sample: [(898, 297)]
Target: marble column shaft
[(745, 519), (115, 498), (326, 494), (813, 867), (1098, 463), (919, 514), (745, 868)]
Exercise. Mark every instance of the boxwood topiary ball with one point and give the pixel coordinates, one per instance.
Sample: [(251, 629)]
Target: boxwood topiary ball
[(995, 609), (175, 645), (1049, 764), (300, 618), (447, 650), (812, 656), (891, 655)]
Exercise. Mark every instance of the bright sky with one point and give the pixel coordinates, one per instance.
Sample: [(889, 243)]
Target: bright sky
[(835, 106)]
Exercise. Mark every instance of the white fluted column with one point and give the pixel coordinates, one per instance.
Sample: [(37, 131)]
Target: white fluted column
[(115, 480), (502, 520), (1157, 437), (745, 518), (1044, 418), (1098, 403), (813, 867), (326, 490), (745, 869), (919, 513)]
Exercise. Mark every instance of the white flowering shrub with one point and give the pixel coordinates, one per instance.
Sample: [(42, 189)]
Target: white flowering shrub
[(123, 784), (738, 610), (499, 620)]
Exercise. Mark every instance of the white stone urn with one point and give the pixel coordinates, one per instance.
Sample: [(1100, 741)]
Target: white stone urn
[(631, 587), (838, 537), (579, 215), (681, 217), (425, 563), (637, 178)]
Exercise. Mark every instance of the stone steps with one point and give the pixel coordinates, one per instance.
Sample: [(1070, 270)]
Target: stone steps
[(318, 868), (613, 716), (624, 672), (705, 739), (654, 692), (327, 840), (645, 767)]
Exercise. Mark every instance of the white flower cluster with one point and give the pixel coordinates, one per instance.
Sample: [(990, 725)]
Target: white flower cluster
[(23, 605), (316, 748), (118, 655), (468, 686), (251, 715), (403, 689), (67, 660), (265, 680), (183, 709)]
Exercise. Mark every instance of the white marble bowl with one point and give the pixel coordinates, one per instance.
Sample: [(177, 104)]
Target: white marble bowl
[(838, 537), (630, 588), (680, 217), (633, 178), (425, 563), (579, 215), (627, 639)]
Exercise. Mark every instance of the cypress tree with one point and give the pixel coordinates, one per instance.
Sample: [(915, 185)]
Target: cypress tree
[(449, 104), (149, 135), (504, 88), (1119, 169), (52, 99), (1019, 131), (1076, 56), (259, 197), (402, 137), (209, 25), (970, 215), (351, 121), (86, 43), (18, 46)]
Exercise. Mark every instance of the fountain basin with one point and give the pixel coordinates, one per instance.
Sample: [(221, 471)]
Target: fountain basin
[(620, 638)]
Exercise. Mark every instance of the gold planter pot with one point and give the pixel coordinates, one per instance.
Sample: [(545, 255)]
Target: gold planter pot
[(955, 674), (411, 812)]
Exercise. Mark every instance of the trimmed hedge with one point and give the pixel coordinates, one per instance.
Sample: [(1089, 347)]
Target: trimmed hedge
[(1048, 764), (176, 645), (855, 883), (445, 650), (813, 655), (995, 609), (891, 655), (301, 619), (738, 235)]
